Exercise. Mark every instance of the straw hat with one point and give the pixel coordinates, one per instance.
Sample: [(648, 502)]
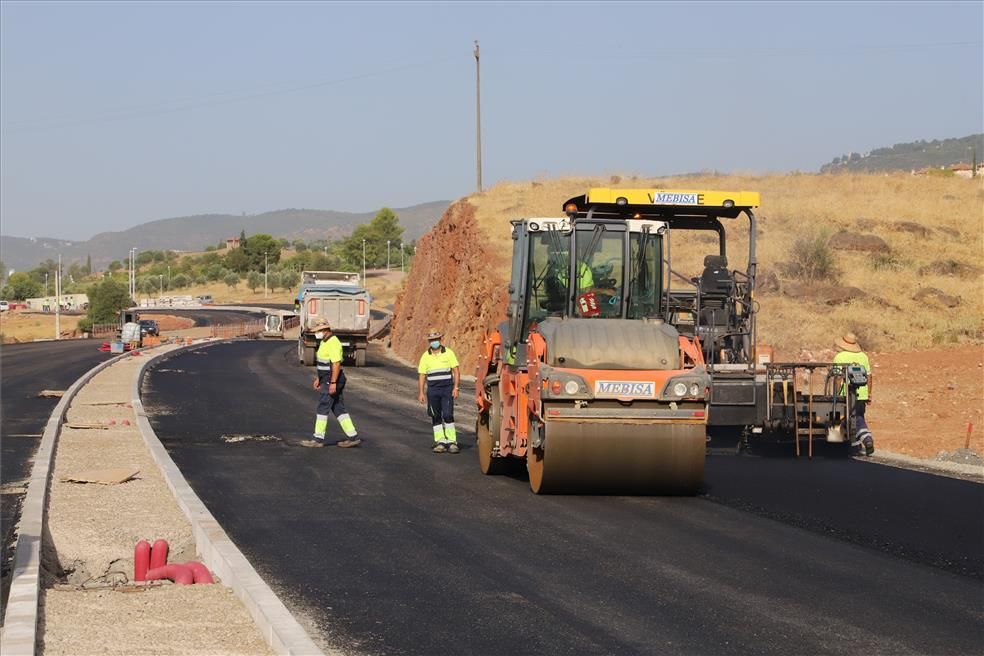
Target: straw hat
[(849, 342), (433, 333), (321, 325)]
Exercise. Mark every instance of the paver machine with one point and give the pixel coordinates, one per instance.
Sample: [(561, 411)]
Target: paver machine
[(610, 364)]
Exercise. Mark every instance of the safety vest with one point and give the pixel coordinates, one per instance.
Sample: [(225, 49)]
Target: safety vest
[(329, 351), (850, 357), (437, 367), (585, 278)]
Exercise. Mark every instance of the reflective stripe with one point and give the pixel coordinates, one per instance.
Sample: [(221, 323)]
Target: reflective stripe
[(345, 421), (439, 433), (445, 377), (450, 434)]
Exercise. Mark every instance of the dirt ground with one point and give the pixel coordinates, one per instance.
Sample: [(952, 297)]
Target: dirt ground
[(93, 530), (923, 400), (167, 322), (21, 326)]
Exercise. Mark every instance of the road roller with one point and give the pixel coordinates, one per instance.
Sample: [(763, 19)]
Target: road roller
[(589, 380)]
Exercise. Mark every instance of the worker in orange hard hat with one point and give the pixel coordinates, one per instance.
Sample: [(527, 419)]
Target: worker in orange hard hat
[(849, 352), (438, 370)]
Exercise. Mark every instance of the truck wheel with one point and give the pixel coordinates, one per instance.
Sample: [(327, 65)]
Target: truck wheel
[(360, 358), (487, 436), (308, 356)]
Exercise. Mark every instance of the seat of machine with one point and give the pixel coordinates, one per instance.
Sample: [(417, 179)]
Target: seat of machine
[(717, 279)]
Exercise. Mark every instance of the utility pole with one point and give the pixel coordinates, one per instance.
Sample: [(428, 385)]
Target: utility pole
[(46, 283), (161, 276), (387, 255), (363, 262), (265, 265), (58, 300), (402, 249), (478, 118)]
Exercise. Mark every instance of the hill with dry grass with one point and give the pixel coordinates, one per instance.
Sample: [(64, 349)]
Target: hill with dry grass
[(905, 259)]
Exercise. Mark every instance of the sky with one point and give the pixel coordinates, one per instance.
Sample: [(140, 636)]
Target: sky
[(113, 114)]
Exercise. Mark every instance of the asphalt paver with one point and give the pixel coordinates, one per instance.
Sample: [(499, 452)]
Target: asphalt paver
[(390, 548)]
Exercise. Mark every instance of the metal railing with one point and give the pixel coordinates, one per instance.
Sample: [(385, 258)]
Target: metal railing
[(104, 329), (238, 329)]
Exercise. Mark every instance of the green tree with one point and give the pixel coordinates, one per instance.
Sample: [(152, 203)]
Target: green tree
[(254, 280), (261, 250), (180, 281), (88, 265), (231, 279), (150, 285), (384, 227), (20, 286), (300, 246), (115, 266), (289, 279), (106, 299), (274, 280)]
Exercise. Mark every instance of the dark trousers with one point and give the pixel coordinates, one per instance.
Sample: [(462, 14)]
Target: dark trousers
[(333, 403), (440, 405), (861, 430)]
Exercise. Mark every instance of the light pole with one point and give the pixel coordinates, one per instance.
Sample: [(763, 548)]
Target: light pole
[(387, 255), (402, 249), (478, 119), (161, 276), (265, 265), (45, 283), (58, 300), (363, 261), (168, 277)]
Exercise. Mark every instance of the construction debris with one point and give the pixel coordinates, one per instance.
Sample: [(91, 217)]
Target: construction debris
[(113, 476), (51, 394)]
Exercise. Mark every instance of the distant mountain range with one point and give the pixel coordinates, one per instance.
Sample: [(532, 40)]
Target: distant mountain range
[(194, 233), (916, 155)]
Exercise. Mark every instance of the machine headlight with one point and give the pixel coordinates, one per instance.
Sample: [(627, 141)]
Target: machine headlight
[(571, 387), (694, 389), (680, 389)]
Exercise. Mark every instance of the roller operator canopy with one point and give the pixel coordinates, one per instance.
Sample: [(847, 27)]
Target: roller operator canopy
[(663, 202)]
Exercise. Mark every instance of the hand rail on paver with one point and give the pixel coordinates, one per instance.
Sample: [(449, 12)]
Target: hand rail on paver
[(280, 629), (20, 620)]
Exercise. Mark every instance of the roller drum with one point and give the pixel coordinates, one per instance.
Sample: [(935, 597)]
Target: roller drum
[(609, 457)]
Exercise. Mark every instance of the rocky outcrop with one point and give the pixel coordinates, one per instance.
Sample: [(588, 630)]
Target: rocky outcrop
[(855, 241), (937, 297), (454, 286), (950, 268)]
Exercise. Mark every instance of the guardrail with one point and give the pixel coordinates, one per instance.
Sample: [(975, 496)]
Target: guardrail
[(292, 322), (239, 329)]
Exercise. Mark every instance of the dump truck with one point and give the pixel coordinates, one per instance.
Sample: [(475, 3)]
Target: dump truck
[(611, 364), (339, 298)]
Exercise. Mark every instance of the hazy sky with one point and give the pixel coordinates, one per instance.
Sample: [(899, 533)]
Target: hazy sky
[(114, 114)]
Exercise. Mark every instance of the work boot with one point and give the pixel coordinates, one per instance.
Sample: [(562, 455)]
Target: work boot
[(453, 448), (350, 442), (315, 442), (869, 445), (439, 448)]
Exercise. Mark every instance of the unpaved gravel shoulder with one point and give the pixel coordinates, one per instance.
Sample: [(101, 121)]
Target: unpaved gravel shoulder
[(92, 533)]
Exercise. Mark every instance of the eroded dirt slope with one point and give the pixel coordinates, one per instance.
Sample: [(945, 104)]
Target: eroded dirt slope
[(451, 288)]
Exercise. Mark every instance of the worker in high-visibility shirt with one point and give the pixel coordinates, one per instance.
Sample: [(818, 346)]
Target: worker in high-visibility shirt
[(438, 370), (329, 379), (849, 352)]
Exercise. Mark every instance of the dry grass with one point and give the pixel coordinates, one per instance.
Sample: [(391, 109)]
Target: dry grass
[(19, 326), (796, 206)]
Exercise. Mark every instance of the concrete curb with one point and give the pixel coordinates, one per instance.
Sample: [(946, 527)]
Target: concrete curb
[(280, 629), (937, 467), (20, 623)]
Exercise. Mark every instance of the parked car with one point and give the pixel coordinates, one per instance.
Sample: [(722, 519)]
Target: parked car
[(4, 306), (149, 327), (206, 299)]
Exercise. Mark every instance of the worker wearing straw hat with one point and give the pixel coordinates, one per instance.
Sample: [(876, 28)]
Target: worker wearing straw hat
[(330, 381), (849, 352), (438, 369)]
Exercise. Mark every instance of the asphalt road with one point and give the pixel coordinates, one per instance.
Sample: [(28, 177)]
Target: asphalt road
[(203, 317), (25, 370), (392, 549)]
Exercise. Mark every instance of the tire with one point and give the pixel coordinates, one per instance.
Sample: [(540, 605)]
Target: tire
[(360, 357), (307, 358)]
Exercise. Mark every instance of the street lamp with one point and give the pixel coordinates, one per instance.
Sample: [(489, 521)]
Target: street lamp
[(265, 265), (401, 257), (168, 277), (387, 255), (45, 283), (363, 261), (161, 276)]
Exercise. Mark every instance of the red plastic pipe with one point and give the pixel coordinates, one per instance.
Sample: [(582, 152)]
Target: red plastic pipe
[(177, 573), (158, 554), (202, 575), (141, 560)]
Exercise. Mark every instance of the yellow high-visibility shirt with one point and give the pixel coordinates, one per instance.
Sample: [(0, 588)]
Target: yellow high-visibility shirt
[(329, 351), (850, 357), (438, 367)]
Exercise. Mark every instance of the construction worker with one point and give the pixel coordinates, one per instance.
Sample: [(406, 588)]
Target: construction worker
[(438, 368), (849, 352), (330, 380)]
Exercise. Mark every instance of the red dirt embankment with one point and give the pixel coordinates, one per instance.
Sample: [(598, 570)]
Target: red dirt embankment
[(450, 288)]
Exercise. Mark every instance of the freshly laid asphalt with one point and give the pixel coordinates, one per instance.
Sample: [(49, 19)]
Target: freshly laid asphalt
[(391, 549), (25, 370)]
